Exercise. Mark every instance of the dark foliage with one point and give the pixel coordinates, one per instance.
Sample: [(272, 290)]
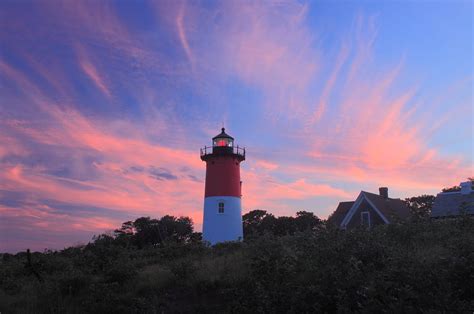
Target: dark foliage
[(258, 222), (145, 231), (420, 206), (292, 264), (457, 188)]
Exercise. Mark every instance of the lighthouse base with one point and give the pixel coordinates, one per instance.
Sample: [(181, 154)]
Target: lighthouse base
[(222, 219)]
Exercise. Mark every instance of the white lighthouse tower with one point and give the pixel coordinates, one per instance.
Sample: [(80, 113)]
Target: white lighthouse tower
[(222, 203)]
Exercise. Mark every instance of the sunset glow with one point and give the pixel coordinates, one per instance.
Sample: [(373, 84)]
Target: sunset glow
[(105, 105)]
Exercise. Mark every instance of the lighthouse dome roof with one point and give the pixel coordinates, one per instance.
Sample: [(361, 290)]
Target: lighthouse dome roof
[(223, 134)]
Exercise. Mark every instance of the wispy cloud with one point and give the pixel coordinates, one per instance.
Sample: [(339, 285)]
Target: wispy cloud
[(91, 71), (320, 122), (323, 101), (182, 35)]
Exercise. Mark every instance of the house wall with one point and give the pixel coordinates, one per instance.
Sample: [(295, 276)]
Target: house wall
[(375, 219)]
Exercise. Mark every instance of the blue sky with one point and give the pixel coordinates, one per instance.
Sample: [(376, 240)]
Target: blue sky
[(104, 106)]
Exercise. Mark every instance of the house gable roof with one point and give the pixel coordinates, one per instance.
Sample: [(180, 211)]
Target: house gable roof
[(389, 209), (449, 204), (338, 215)]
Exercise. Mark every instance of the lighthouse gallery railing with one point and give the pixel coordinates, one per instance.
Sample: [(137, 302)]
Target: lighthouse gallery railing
[(208, 150)]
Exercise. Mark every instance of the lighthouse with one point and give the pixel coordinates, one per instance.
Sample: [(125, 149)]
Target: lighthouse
[(223, 191)]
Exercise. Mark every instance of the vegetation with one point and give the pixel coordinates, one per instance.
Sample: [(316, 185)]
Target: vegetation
[(420, 206), (259, 222), (457, 188), (286, 264)]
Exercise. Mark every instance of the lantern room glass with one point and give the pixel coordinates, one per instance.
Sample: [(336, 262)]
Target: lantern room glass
[(223, 142)]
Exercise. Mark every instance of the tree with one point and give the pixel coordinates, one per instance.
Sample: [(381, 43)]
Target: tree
[(284, 225), (146, 231), (196, 237), (126, 229), (306, 221), (452, 189), (420, 206), (176, 229), (124, 235), (457, 188), (257, 222)]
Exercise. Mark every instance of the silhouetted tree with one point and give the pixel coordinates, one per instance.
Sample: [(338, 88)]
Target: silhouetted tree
[(146, 231), (30, 267), (284, 225), (452, 189), (457, 187), (306, 221), (124, 235), (420, 206), (176, 229), (196, 237), (257, 222)]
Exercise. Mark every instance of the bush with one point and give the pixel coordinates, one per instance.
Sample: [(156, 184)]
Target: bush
[(423, 266)]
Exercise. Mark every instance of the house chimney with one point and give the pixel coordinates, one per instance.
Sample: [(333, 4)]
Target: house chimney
[(466, 187), (383, 191)]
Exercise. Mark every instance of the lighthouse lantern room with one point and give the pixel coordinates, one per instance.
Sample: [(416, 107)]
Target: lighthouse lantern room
[(222, 201)]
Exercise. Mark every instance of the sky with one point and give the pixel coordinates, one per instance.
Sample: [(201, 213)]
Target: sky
[(104, 106)]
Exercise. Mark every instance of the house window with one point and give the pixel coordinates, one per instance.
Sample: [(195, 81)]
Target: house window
[(365, 219), (221, 207)]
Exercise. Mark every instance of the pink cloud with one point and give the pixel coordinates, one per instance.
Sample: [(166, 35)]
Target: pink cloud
[(262, 190), (373, 136), (94, 75), (37, 226), (264, 45), (182, 35), (114, 185), (323, 102), (117, 190), (333, 121), (11, 146), (266, 165)]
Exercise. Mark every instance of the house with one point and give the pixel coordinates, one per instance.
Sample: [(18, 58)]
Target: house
[(449, 204), (369, 209)]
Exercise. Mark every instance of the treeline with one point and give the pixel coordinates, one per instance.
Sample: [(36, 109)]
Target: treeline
[(145, 231), (295, 264), (168, 230), (259, 222)]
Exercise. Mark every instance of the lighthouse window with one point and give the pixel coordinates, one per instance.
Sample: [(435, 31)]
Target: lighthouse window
[(223, 142), (221, 208)]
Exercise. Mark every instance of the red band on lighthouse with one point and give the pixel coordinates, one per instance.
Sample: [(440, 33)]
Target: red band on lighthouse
[(223, 177)]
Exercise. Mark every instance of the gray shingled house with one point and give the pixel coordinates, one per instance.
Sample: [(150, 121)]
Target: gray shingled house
[(449, 204), (369, 209)]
